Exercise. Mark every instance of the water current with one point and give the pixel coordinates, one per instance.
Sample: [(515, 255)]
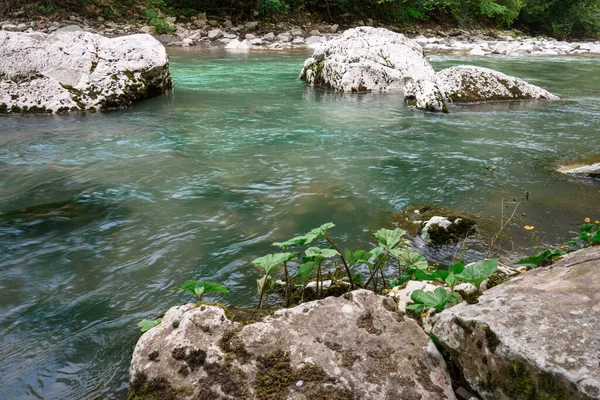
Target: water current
[(102, 214)]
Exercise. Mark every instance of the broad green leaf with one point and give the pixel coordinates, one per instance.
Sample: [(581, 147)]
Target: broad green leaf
[(210, 287), (293, 242), (271, 261), (389, 239), (476, 273), (146, 324), (457, 268), (304, 270), (199, 290), (422, 275), (436, 299), (416, 307), (376, 253), (359, 256), (410, 258), (187, 286), (451, 280), (318, 233), (322, 253)]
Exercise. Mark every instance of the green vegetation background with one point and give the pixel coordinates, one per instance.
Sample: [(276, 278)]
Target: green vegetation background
[(558, 18)]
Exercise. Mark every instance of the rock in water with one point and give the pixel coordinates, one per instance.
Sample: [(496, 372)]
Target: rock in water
[(425, 95), (534, 337), (71, 71), (467, 84), (352, 347), (367, 59), (592, 170)]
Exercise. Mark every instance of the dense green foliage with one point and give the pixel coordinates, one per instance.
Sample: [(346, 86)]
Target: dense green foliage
[(561, 18)]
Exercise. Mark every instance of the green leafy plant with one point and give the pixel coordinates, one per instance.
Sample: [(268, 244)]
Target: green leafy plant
[(589, 235), (146, 324), (293, 242), (319, 255), (199, 288), (437, 299), (409, 263), (269, 263), (477, 272), (445, 276), (389, 240)]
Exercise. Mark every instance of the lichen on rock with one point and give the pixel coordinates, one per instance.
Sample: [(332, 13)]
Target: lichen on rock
[(534, 337), (468, 84), (355, 346)]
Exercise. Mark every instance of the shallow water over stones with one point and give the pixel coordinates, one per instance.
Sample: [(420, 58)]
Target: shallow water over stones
[(196, 184)]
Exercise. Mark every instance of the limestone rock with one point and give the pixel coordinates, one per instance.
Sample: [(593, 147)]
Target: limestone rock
[(354, 346), (239, 45), (592, 170), (366, 59), (425, 95), (464, 84), (535, 336), (72, 71), (214, 34)]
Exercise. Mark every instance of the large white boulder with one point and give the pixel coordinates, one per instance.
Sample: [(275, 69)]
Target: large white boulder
[(70, 71), (466, 83), (366, 59), (352, 347)]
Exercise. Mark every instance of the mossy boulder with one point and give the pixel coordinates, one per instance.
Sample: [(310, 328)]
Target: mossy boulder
[(533, 337), (78, 71), (469, 84), (357, 346)]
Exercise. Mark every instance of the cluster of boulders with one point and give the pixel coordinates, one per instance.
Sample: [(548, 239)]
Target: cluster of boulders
[(532, 337), (196, 30), (505, 44), (263, 35), (367, 59)]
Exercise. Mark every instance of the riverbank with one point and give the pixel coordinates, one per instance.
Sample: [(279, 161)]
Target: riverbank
[(257, 35)]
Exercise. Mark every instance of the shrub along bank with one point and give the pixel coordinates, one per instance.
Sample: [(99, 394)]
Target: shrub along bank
[(562, 19)]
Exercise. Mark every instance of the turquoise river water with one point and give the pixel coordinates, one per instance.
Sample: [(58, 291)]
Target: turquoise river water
[(100, 215)]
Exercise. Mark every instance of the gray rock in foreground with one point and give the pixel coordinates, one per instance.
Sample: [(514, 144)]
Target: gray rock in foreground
[(467, 84), (73, 71), (592, 170), (353, 347), (366, 59), (535, 337)]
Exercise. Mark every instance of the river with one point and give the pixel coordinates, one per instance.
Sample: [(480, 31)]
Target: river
[(121, 207)]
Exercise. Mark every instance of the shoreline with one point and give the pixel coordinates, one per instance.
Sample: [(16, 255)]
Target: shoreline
[(257, 35)]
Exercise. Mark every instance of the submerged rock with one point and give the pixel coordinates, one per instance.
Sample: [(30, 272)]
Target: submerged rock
[(445, 230), (592, 170), (534, 337), (366, 59), (467, 84), (353, 347), (71, 71)]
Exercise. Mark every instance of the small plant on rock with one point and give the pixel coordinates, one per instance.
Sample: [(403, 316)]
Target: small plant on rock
[(199, 289), (269, 263), (437, 299), (146, 324)]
